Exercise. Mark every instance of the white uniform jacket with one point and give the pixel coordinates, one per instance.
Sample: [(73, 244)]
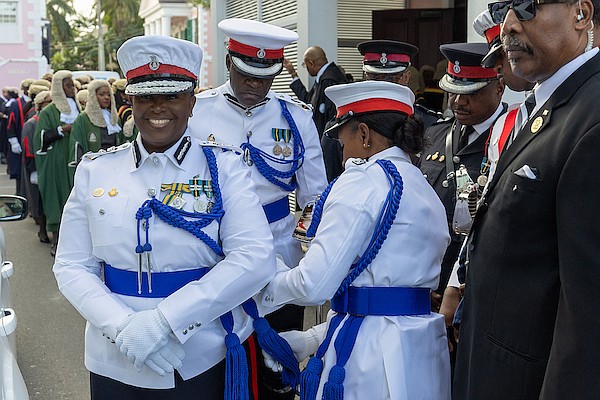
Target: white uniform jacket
[(233, 124), (396, 357), (99, 226)]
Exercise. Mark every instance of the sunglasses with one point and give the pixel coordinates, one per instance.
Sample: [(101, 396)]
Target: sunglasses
[(524, 9)]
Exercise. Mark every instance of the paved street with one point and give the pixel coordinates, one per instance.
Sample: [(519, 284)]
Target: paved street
[(49, 330)]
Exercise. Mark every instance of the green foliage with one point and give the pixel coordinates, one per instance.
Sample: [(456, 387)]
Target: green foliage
[(58, 11), (202, 3), (78, 50)]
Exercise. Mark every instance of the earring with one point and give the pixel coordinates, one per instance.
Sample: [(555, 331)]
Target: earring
[(366, 145), (590, 33)]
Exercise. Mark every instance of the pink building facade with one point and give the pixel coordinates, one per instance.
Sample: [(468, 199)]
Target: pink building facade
[(21, 24)]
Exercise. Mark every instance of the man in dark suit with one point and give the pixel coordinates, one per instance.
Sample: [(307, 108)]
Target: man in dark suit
[(529, 329), (389, 60), (475, 95), (326, 74)]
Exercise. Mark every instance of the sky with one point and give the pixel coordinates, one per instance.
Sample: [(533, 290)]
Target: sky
[(84, 7)]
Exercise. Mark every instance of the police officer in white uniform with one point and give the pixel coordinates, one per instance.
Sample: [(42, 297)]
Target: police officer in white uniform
[(161, 238), (377, 254), (281, 145)]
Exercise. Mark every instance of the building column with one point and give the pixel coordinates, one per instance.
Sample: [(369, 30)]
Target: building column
[(147, 29), (317, 26), (165, 26)]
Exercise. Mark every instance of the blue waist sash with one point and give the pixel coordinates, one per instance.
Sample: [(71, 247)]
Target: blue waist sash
[(389, 301), (163, 283), (277, 210)]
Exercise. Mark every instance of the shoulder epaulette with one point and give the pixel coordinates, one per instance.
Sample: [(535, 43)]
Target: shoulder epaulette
[(292, 100), (211, 142), (430, 112), (114, 149), (443, 121), (207, 94), (358, 161)]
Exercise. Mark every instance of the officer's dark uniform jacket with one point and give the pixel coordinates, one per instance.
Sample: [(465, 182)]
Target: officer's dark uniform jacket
[(433, 165)]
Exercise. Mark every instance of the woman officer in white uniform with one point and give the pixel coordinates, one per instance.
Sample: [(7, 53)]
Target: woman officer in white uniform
[(376, 253), (173, 226)]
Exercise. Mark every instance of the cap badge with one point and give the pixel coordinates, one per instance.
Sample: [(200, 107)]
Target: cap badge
[(383, 58), (153, 64), (261, 53), (456, 67)]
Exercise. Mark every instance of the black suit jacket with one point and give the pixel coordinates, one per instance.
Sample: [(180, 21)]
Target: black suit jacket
[(530, 325), (323, 108), (433, 166)]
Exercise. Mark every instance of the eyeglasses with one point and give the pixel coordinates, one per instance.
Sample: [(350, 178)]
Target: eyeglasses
[(524, 9)]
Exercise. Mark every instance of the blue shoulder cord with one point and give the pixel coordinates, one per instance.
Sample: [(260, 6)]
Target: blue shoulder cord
[(175, 217), (274, 175), (236, 366), (344, 343)]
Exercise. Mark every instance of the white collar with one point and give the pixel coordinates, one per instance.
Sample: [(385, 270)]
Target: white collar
[(168, 153), (545, 89), (321, 71), (110, 127), (485, 125), (70, 117)]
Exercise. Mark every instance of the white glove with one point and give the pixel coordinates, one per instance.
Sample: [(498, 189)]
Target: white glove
[(168, 358), (143, 333), (14, 145), (303, 344), (33, 178)]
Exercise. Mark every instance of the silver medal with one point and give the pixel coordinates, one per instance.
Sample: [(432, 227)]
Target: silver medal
[(177, 202), (199, 206), (482, 180)]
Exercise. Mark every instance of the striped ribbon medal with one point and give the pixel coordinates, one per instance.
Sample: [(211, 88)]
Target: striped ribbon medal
[(175, 196), (202, 191)]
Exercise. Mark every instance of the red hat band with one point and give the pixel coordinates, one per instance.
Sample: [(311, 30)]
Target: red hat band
[(156, 68), (470, 72), (255, 52), (492, 33), (384, 57), (374, 104)]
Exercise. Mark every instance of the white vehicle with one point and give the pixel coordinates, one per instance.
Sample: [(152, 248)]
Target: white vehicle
[(97, 74), (12, 385)]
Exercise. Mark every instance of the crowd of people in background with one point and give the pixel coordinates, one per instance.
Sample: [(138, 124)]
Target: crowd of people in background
[(448, 229), (94, 131), (41, 147)]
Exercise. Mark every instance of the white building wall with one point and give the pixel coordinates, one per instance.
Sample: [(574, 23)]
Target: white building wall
[(475, 7)]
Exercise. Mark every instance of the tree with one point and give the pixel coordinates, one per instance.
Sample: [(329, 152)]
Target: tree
[(58, 12), (77, 48)]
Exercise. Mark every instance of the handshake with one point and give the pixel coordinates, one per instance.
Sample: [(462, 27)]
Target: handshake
[(146, 338)]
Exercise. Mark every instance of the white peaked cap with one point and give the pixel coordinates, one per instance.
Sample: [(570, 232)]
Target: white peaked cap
[(369, 96), (256, 48), (159, 65)]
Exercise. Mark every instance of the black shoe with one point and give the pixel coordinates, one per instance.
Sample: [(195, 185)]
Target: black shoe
[(43, 237), (53, 250)]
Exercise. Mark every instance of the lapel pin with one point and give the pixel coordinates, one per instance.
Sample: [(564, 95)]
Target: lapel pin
[(537, 125), (98, 192)]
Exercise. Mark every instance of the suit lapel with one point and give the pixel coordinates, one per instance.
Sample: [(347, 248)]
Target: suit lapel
[(539, 122)]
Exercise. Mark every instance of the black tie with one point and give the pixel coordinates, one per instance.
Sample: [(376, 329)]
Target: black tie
[(463, 140), (530, 103)]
